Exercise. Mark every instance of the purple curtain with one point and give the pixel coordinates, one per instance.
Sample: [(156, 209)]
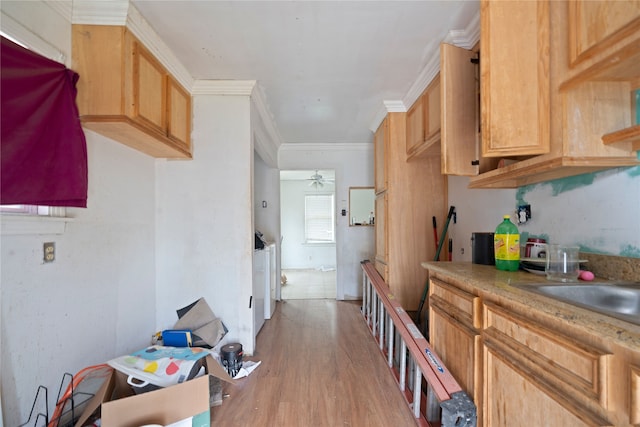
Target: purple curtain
[(43, 148)]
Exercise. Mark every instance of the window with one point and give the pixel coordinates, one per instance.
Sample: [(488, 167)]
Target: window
[(43, 150), (31, 218), (319, 218), (32, 210)]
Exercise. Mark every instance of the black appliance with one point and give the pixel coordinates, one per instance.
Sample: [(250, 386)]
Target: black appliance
[(482, 249)]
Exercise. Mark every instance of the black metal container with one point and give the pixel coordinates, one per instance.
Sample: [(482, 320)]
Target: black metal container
[(482, 249), (231, 356)]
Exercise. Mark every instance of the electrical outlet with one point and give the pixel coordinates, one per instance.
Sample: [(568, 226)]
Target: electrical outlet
[(524, 213), (49, 251)]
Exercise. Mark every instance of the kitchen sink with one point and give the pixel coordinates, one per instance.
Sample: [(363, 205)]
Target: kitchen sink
[(619, 300)]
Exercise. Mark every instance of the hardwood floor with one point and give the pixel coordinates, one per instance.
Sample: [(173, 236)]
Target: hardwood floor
[(320, 367), (309, 284)]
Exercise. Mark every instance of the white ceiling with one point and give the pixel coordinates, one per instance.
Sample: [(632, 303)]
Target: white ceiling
[(324, 67)]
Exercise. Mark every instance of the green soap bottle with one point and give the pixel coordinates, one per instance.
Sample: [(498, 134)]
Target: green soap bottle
[(506, 243)]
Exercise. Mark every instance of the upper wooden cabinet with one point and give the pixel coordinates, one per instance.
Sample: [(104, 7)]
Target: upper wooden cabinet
[(514, 77), (179, 114), (423, 122), (604, 47), (460, 152), (380, 140), (125, 94), (572, 100), (413, 192), (596, 26)]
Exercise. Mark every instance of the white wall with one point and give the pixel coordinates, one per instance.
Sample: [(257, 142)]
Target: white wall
[(476, 211), (296, 253), (156, 235), (598, 212), (353, 165), (204, 219), (266, 188), (96, 301)]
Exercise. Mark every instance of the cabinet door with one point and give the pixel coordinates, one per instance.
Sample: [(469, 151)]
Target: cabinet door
[(380, 151), (458, 346), (149, 90), (564, 374), (179, 115), (431, 111), (634, 393), (423, 122), (381, 228), (514, 77), (512, 399), (596, 25), (97, 56), (415, 125), (459, 111)]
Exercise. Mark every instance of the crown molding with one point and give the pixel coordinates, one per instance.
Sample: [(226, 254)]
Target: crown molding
[(424, 78), (223, 87), (377, 119), (121, 12), (270, 135), (27, 38), (389, 107), (112, 12), (395, 106), (264, 147), (62, 8), (468, 37), (152, 41)]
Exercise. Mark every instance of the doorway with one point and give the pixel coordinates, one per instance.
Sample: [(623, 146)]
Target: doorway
[(308, 234)]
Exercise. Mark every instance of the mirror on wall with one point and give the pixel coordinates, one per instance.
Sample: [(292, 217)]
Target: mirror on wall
[(362, 202)]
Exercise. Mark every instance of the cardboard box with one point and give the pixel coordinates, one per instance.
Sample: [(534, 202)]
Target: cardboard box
[(189, 399), (120, 407)]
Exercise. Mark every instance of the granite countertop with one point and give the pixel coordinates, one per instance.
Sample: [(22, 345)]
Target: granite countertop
[(492, 284)]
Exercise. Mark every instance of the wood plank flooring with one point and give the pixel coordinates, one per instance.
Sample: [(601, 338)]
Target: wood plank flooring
[(309, 284), (320, 367)]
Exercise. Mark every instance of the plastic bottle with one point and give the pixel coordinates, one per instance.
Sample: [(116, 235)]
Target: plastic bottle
[(506, 242)]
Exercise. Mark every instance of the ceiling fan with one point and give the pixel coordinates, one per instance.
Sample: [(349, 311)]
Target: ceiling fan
[(318, 180)]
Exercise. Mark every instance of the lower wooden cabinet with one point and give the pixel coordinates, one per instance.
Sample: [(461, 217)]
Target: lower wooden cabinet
[(538, 376), (514, 399), (634, 394), (455, 338), (522, 368)]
